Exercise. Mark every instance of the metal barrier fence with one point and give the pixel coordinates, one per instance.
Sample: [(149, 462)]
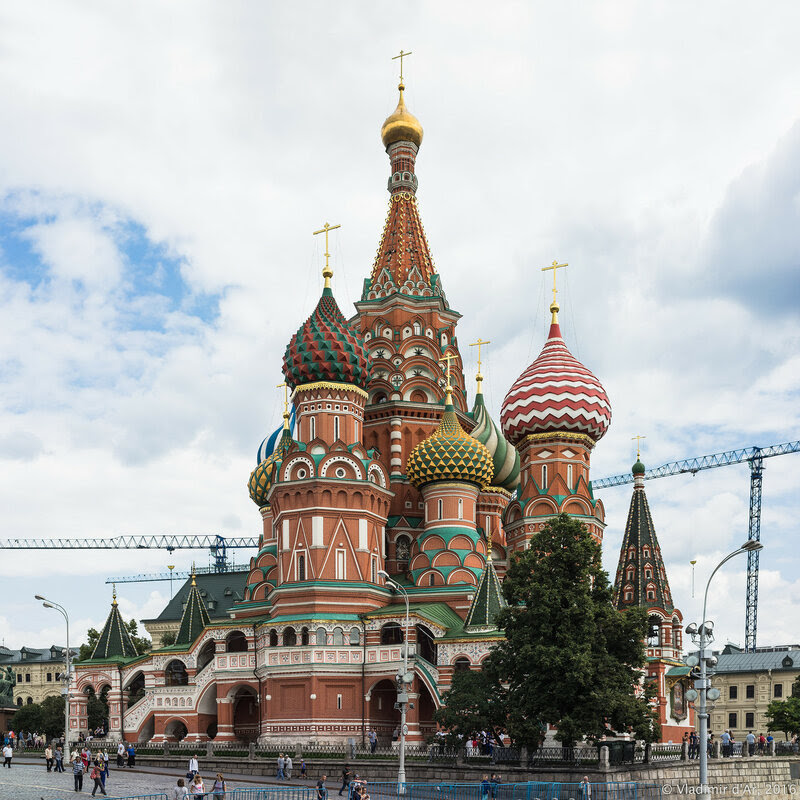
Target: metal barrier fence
[(277, 793), (531, 790), (161, 796)]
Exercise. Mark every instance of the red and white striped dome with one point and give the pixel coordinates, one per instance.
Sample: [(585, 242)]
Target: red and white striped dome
[(555, 393)]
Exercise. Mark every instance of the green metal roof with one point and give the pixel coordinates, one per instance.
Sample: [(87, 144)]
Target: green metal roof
[(487, 602), (114, 641), (438, 613), (195, 617), (219, 591)]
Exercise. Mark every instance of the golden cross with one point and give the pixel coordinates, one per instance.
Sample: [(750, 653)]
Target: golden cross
[(401, 57), (638, 441), (479, 378), (285, 387), (114, 592), (327, 273), (447, 358), (554, 266)]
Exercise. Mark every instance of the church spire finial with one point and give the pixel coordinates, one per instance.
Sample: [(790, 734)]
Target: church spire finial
[(285, 387), (448, 388), (327, 272), (113, 594), (554, 307), (479, 378)]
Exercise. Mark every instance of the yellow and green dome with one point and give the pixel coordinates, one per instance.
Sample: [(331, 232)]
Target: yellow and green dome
[(450, 454), (262, 477)]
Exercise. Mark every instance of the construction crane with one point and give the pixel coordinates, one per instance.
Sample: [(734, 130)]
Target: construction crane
[(177, 574), (216, 544), (754, 456)]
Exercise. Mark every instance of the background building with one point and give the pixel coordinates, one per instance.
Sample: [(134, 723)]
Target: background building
[(38, 671)]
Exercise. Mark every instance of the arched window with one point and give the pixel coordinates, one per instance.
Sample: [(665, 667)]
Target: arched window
[(206, 655), (417, 329), (273, 638), (312, 428), (460, 508), (355, 636), (402, 552), (426, 643), (338, 637), (289, 637), (544, 476), (335, 429), (569, 475), (654, 631), (301, 567), (391, 633), (175, 674), (461, 664), (304, 636), (29, 701), (440, 508), (19, 701), (236, 642), (321, 637)]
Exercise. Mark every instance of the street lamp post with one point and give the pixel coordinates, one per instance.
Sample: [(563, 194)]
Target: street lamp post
[(49, 604), (704, 635), (402, 682)]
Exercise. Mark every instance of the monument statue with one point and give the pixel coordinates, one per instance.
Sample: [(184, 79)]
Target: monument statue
[(8, 681)]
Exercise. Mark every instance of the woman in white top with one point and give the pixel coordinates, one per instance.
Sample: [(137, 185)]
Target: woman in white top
[(197, 787), (180, 792)]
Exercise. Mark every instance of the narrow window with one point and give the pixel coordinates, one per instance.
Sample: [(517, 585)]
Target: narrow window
[(733, 694), (749, 720), (49, 677), (750, 691), (335, 429), (355, 429), (544, 476), (732, 719), (460, 508), (374, 570), (341, 572), (569, 476), (778, 690), (440, 507), (301, 567), (338, 702), (431, 580), (312, 428)]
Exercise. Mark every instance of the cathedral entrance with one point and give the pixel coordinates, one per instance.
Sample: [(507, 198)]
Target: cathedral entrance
[(245, 714), (384, 719)]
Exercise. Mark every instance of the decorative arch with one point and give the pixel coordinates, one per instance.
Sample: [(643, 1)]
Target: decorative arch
[(348, 463)]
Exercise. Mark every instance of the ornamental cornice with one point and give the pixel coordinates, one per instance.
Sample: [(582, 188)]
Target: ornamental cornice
[(331, 385), (553, 436)]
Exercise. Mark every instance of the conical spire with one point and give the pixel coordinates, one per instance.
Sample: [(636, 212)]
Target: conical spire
[(641, 578), (195, 616), (487, 602), (114, 641)]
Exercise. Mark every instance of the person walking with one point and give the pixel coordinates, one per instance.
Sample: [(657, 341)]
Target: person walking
[(48, 758), (373, 740), (302, 768), (322, 790), (179, 791), (218, 789), (8, 752), (346, 776), (288, 765), (106, 771), (121, 754), (59, 757), (485, 788), (95, 774), (131, 756), (281, 765), (194, 767), (585, 789), (77, 772)]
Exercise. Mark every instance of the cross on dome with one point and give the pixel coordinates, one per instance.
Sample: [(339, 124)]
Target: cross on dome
[(554, 305), (401, 56), (479, 378), (327, 272)]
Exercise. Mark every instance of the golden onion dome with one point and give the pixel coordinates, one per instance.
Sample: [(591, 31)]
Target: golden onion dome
[(402, 125), (450, 454)]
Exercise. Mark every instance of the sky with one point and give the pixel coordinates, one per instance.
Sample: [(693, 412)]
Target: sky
[(163, 166)]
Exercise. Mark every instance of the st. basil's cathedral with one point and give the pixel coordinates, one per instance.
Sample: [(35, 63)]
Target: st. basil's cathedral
[(385, 466)]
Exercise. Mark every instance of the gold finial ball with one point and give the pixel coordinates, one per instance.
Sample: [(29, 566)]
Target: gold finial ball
[(402, 125)]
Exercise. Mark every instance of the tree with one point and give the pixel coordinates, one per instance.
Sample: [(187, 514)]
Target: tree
[(569, 658), (474, 703), (86, 650), (29, 718), (141, 643), (168, 638), (784, 715)]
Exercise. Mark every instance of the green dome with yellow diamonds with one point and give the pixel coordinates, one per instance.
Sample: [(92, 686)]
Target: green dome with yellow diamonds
[(262, 477), (450, 454)]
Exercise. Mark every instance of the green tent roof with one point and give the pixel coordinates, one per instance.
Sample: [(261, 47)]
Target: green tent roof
[(114, 641), (195, 617), (486, 603)]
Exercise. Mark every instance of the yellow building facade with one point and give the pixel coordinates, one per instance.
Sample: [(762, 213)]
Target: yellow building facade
[(38, 671)]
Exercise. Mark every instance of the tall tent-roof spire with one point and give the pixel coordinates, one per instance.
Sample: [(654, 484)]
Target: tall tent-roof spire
[(641, 577), (487, 602), (195, 616), (115, 640)]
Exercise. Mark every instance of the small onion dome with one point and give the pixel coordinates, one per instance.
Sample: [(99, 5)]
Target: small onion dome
[(555, 394), (326, 348), (450, 454), (504, 456), (262, 477), (638, 468), (401, 125)]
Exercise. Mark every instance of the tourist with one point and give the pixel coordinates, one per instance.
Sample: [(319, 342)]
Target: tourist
[(287, 767), (322, 790), (770, 740), (131, 756), (180, 792), (485, 788), (106, 771), (726, 744), (762, 743), (121, 754), (77, 772), (194, 767), (48, 758), (751, 743), (98, 783), (8, 752), (218, 789), (59, 757), (373, 740), (346, 775), (281, 765), (585, 789), (302, 768), (196, 788)]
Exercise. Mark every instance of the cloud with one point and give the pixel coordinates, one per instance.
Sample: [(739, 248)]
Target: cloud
[(20, 446)]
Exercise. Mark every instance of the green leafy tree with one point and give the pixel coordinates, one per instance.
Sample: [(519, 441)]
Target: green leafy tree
[(474, 703), (569, 658), (29, 718), (86, 650), (141, 643), (784, 715), (168, 638)]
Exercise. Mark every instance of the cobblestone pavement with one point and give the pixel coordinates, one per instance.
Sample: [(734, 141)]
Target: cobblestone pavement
[(33, 782)]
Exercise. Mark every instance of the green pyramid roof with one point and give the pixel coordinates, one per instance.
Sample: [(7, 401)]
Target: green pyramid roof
[(195, 616), (114, 638), (487, 603)]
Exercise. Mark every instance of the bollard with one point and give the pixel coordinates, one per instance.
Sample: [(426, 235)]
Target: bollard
[(716, 749), (166, 747), (604, 758), (209, 748), (772, 748), (251, 751), (684, 750)]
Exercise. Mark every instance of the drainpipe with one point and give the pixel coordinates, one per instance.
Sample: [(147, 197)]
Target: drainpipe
[(363, 678), (121, 705), (255, 674)]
